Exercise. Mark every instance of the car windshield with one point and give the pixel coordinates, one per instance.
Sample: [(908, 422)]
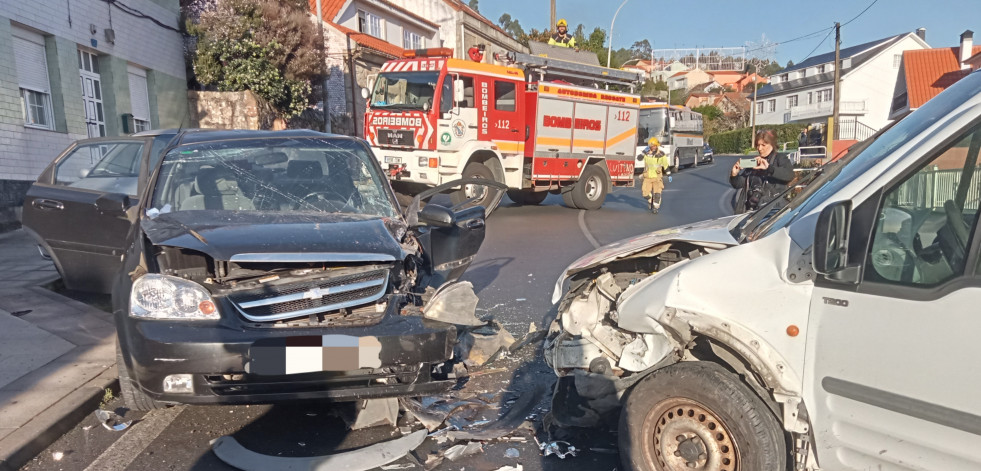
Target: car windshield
[(306, 175), (650, 124), (834, 177), (404, 90)]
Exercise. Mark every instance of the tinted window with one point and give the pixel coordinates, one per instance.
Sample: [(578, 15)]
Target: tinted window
[(107, 166)]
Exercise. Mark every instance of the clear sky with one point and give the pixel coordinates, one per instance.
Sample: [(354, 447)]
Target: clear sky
[(721, 23)]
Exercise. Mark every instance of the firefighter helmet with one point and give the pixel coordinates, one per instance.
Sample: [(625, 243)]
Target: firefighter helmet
[(653, 142), (562, 23)]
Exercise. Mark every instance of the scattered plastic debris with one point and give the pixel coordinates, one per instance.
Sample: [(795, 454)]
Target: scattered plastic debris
[(559, 448), (507, 422), (112, 421), (374, 412), (87, 428), (512, 453), (21, 313), (456, 452), (57, 456), (234, 454), (517, 467), (301, 443), (389, 467), (311, 414), (455, 303), (520, 300)]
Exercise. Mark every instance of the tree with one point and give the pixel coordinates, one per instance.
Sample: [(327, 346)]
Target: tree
[(264, 46), (512, 26), (473, 4), (708, 112), (789, 64), (641, 50)]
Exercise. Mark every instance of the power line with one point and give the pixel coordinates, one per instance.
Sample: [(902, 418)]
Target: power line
[(819, 44), (139, 14), (860, 14)]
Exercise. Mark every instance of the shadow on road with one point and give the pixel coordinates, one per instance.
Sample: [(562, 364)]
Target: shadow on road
[(483, 273)]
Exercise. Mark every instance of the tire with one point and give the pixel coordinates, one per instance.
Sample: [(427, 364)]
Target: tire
[(567, 197), (698, 155), (490, 196), (133, 397), (591, 189), (724, 424), (677, 163), (527, 197)]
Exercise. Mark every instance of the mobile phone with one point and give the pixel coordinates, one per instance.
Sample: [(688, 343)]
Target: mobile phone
[(747, 163)]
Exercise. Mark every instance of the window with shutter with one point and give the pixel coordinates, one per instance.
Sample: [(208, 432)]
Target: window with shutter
[(32, 78), (139, 99)]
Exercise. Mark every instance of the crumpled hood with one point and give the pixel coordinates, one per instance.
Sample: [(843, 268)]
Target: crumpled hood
[(712, 231), (223, 235)]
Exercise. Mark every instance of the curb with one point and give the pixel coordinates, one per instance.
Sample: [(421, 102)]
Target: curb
[(20, 447)]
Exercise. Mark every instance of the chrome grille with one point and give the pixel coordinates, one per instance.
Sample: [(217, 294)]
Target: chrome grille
[(284, 301)]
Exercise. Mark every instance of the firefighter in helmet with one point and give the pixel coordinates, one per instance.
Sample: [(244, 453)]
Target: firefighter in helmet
[(561, 37), (655, 164)]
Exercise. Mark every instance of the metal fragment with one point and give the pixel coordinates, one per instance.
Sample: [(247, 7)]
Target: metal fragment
[(112, 421)]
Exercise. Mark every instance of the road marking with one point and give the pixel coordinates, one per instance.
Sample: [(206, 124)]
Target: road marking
[(121, 454), (585, 231)]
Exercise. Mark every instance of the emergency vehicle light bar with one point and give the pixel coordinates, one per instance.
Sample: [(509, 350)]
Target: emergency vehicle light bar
[(432, 52)]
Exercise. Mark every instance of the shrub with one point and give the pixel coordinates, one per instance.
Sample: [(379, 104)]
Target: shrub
[(735, 142)]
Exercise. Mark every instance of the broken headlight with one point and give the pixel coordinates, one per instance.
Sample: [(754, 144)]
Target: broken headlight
[(167, 297)]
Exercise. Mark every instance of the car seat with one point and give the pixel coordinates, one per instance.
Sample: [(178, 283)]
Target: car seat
[(216, 189)]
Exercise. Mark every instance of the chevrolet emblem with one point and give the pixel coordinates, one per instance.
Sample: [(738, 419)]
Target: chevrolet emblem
[(316, 293)]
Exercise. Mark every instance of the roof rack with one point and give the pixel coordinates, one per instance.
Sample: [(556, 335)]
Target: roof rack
[(551, 68)]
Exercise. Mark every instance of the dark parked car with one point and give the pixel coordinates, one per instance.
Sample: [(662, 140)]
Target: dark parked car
[(272, 266), (65, 209), (708, 154)]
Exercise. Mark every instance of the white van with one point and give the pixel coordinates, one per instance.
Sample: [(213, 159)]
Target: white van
[(833, 331)]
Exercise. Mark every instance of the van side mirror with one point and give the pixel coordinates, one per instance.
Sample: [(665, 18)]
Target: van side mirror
[(671, 121), (436, 216), (831, 234), (113, 204), (458, 91), (364, 93)]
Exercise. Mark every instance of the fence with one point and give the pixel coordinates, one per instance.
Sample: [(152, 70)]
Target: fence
[(930, 189)]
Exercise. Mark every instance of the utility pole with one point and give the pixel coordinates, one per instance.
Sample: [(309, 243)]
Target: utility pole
[(833, 123), (756, 73), (552, 24)]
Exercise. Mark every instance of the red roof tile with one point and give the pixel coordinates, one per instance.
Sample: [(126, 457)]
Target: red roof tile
[(370, 41), (330, 8), (930, 71), (460, 6)]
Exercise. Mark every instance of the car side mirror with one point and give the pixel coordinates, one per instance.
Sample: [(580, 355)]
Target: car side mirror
[(436, 216), (831, 234), (364, 93), (113, 204)]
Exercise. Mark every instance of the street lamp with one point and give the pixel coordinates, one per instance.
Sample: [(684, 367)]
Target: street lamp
[(609, 51)]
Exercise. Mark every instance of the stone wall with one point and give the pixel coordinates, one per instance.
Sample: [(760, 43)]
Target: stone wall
[(223, 110)]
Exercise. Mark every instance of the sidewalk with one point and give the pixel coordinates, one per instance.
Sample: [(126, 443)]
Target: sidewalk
[(57, 355)]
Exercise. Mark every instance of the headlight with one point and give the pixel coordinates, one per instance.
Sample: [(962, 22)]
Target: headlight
[(168, 297)]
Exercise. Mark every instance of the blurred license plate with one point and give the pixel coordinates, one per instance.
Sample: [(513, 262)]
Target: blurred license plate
[(392, 160), (310, 354)]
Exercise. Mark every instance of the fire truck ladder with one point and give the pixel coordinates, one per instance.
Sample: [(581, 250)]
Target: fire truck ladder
[(551, 68)]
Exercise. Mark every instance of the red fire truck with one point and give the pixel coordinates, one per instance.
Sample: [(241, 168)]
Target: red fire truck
[(535, 125)]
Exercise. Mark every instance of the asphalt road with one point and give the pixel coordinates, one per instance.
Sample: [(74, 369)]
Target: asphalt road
[(524, 252)]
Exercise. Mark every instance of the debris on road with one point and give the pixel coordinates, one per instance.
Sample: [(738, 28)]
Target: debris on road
[(229, 450), (510, 468), (454, 303), (112, 421), (57, 456), (507, 422), (559, 448), (456, 452), (374, 412), (512, 453), (390, 467)]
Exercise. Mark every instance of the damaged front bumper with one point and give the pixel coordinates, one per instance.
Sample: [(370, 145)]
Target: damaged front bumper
[(236, 364)]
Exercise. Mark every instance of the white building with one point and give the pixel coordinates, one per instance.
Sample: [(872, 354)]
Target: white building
[(78, 69), (804, 92)]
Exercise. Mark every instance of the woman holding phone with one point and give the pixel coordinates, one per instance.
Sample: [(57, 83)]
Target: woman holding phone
[(766, 179)]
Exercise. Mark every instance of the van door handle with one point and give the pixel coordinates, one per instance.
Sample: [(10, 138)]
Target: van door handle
[(48, 204), (474, 223)]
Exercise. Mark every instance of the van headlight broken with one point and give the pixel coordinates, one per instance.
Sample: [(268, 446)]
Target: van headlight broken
[(167, 297)]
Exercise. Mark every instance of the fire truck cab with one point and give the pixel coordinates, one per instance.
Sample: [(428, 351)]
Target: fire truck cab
[(432, 119)]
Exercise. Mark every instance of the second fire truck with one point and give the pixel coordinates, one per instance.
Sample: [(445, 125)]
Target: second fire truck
[(532, 125)]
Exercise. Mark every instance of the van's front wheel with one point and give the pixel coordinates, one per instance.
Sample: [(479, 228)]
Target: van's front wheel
[(697, 415)]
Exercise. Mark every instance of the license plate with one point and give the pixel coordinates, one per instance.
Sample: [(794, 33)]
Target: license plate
[(396, 137), (392, 160), (311, 354)]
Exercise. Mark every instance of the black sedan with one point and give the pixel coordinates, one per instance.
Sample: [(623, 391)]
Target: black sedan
[(263, 267)]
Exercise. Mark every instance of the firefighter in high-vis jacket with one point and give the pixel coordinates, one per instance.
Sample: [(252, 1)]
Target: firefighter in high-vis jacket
[(561, 37), (655, 164)]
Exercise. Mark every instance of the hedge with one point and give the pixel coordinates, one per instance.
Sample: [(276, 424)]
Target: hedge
[(735, 142)]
